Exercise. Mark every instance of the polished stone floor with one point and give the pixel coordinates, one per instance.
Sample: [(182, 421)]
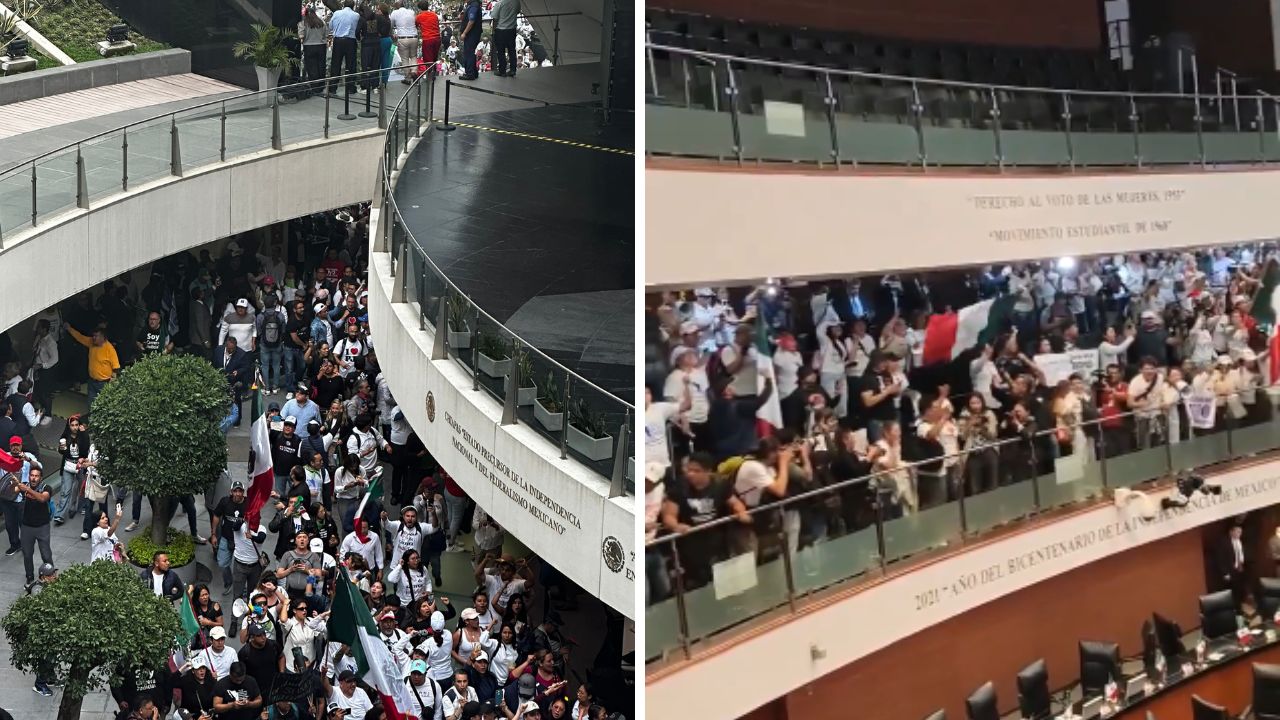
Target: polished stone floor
[(531, 213)]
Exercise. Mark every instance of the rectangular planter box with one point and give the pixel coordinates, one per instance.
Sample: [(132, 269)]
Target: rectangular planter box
[(549, 420), (460, 340), (526, 395), (493, 368), (593, 448)]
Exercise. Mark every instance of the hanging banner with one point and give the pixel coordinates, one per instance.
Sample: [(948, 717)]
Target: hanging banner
[(1200, 410)]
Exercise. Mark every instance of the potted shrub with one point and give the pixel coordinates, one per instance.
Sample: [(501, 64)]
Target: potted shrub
[(548, 407), (587, 433), (526, 390), (180, 546), (459, 331), (266, 51), (493, 355)]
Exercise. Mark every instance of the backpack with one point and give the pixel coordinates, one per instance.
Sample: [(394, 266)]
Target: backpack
[(272, 329)]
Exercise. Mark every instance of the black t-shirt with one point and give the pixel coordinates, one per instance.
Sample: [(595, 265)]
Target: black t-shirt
[(35, 513), (227, 509), (875, 384), (700, 506), (327, 389), (284, 451), (153, 341), (302, 327), (246, 689), (261, 665)]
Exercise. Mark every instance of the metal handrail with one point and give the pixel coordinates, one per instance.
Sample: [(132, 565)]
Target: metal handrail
[(389, 169), (330, 79), (880, 560), (868, 75), (783, 504), (391, 198)]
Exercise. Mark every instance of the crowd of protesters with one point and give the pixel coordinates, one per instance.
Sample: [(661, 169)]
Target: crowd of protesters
[(289, 314), (1173, 342)]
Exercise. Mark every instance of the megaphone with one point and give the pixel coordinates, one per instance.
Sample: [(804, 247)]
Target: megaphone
[(239, 608)]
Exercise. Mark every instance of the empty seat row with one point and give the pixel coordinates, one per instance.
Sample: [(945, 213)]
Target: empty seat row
[(1039, 67)]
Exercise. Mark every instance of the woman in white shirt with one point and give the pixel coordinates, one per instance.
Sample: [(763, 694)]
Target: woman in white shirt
[(104, 540), (348, 485), (786, 365), (505, 656), (410, 578), (834, 354), (1111, 351), (983, 374), (365, 544), (689, 378), (300, 632)]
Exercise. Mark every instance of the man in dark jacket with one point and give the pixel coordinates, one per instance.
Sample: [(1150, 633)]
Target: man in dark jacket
[(163, 582), (235, 364), (733, 419)]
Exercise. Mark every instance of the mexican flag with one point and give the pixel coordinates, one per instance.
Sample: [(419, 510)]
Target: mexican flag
[(351, 624), (190, 628), (949, 334), (1266, 309), (374, 492), (771, 411), (261, 475)]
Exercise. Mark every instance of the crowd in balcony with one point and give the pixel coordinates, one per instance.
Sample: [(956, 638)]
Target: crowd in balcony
[(936, 386)]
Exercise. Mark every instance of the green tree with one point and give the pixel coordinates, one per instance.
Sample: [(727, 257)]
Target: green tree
[(156, 428), (88, 628)]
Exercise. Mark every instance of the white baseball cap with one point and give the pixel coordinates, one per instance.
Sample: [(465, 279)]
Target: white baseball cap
[(242, 303), (217, 634)]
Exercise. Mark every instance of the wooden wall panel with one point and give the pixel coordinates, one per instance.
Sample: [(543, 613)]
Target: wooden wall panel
[(1061, 23), (939, 667)]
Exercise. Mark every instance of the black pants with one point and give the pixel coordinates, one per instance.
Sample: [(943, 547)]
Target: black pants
[(469, 46), (12, 521), (313, 62), (370, 61), (344, 54), (504, 51), (189, 505)]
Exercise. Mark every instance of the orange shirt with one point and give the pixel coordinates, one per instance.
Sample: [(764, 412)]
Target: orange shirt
[(429, 25)]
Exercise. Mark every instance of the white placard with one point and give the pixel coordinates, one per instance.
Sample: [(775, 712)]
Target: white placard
[(1084, 362), (1200, 410), (735, 575), (1055, 366), (781, 118), (1070, 468)]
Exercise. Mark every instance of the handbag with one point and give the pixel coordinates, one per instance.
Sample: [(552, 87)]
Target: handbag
[(8, 487)]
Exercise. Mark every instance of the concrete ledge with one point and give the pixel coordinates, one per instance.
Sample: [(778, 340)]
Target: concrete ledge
[(82, 76)]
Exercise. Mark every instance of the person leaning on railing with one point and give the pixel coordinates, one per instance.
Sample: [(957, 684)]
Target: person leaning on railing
[(698, 497)]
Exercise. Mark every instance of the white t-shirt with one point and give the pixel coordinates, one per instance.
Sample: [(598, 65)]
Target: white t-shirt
[(220, 662), (356, 706), (786, 367), (499, 592), (699, 385), (101, 544), (423, 697), (753, 477), (656, 417), (157, 583), (744, 381), (452, 699)]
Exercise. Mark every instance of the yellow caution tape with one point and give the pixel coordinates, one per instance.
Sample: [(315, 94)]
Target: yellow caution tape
[(528, 136)]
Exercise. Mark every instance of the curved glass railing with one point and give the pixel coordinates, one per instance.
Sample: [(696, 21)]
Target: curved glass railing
[(585, 422), (853, 535), (81, 174), (709, 105)]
